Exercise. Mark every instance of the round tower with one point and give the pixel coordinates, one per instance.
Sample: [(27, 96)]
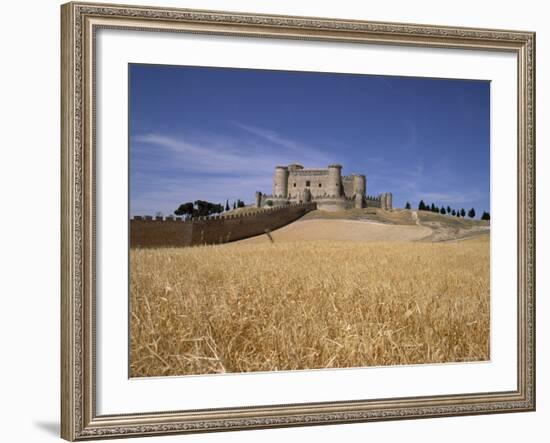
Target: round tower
[(334, 183), (359, 190), (382, 198), (359, 185), (280, 182), (389, 202)]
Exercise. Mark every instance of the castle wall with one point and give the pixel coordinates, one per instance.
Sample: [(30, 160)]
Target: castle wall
[(329, 189), (154, 232), (158, 232), (348, 185), (318, 182), (373, 202)]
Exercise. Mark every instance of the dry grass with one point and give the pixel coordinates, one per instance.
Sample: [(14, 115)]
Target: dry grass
[(288, 306)]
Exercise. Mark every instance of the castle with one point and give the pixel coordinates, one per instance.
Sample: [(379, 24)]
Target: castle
[(328, 188), (296, 191)]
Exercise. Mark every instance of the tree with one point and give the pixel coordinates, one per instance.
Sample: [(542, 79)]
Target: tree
[(462, 213), (448, 209), (421, 206), (472, 213), (407, 205), (202, 208), (227, 205), (240, 203), (433, 208), (442, 211), (234, 205), (184, 209), (269, 203), (485, 216), (453, 212), (199, 208)]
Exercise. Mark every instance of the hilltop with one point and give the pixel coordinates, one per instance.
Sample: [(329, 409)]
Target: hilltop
[(372, 224)]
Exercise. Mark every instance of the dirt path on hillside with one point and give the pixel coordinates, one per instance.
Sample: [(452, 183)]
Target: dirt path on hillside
[(350, 230), (441, 233)]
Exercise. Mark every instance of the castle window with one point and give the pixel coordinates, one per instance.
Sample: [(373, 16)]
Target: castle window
[(319, 184), (294, 185), (308, 183)]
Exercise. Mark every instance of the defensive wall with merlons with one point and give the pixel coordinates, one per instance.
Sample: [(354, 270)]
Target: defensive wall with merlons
[(159, 232)]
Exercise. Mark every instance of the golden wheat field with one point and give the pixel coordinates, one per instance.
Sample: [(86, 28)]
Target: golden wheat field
[(305, 305)]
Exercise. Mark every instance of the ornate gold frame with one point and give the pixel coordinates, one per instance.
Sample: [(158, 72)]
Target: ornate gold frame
[(79, 420)]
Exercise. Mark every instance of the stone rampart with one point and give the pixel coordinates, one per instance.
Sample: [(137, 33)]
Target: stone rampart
[(149, 232), (373, 202)]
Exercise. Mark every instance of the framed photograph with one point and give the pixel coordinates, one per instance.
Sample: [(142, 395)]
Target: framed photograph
[(277, 221)]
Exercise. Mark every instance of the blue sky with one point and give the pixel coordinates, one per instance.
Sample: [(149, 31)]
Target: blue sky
[(217, 133)]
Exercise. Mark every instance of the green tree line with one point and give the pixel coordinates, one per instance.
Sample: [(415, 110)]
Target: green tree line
[(202, 208), (447, 210)]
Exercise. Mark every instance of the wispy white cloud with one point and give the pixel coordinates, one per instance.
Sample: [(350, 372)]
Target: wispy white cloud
[(205, 155), (308, 154), (270, 136), (168, 169)]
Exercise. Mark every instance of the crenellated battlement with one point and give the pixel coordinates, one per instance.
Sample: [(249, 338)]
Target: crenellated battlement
[(217, 217), (148, 231)]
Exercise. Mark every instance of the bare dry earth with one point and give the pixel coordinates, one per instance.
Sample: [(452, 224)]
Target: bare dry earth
[(353, 230), (372, 225), (451, 228)]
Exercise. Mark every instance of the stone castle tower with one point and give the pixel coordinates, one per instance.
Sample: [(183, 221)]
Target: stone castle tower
[(327, 187)]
